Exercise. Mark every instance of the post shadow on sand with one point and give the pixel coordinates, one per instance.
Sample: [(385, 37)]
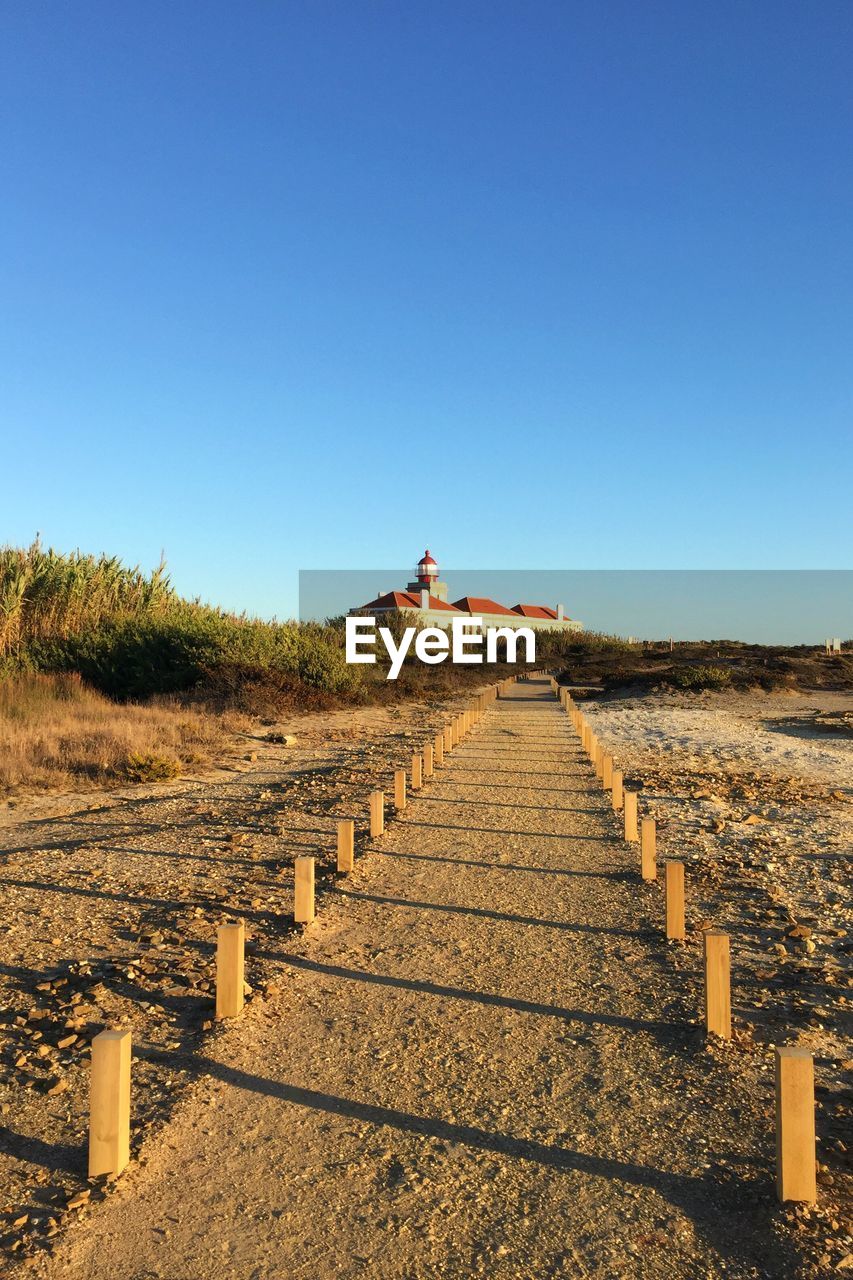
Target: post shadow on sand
[(487, 914), (617, 876), (712, 1200), (676, 1036)]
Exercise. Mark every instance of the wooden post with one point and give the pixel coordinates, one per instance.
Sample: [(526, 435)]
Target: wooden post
[(428, 761), (346, 844), (631, 833), (718, 1000), (109, 1103), (438, 746), (377, 813), (399, 789), (648, 849), (448, 740), (616, 792), (454, 731), (607, 772), (795, 1126), (230, 965), (674, 881), (303, 889), (598, 759), (417, 772)]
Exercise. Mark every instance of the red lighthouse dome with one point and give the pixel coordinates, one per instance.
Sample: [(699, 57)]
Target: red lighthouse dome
[(427, 570)]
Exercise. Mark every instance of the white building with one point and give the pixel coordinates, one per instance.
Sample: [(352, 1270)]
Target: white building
[(427, 598)]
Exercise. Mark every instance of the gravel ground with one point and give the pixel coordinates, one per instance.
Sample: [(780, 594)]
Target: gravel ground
[(482, 1059)]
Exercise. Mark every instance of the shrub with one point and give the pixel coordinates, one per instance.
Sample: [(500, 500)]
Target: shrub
[(145, 766), (702, 677)]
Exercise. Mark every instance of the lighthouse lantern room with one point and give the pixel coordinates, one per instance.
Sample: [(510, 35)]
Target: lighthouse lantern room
[(426, 578)]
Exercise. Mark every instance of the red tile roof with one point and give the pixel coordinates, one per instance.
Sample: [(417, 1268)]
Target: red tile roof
[(535, 611), (481, 604), (407, 600)]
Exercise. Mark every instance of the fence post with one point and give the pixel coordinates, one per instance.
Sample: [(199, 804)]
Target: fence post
[(428, 762), (230, 969), (438, 750), (303, 889), (399, 789), (109, 1103), (448, 739), (718, 1008), (674, 881), (631, 833), (616, 792), (377, 813), (346, 844), (648, 849), (795, 1126), (607, 772), (417, 772)]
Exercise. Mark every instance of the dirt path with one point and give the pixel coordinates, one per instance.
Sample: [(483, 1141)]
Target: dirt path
[(482, 1064)]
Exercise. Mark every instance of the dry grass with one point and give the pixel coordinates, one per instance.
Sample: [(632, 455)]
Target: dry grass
[(55, 732)]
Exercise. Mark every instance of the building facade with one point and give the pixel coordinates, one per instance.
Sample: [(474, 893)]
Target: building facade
[(426, 597)]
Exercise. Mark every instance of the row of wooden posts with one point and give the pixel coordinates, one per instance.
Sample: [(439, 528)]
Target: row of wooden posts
[(109, 1098), (794, 1068)]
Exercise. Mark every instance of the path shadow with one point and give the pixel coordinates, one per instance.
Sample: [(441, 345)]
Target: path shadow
[(487, 914), (676, 1036), (619, 877), (505, 831), (712, 1200)]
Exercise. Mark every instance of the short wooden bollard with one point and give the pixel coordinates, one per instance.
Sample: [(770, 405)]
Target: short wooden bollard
[(631, 832), (448, 739), (303, 889), (648, 849), (454, 731), (417, 772), (598, 759), (377, 813), (616, 793), (674, 881), (718, 1000), (399, 789), (438, 750), (607, 771), (428, 762), (795, 1126), (109, 1103), (230, 969), (346, 844)]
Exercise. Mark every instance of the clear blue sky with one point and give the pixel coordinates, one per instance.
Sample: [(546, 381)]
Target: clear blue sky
[(297, 285)]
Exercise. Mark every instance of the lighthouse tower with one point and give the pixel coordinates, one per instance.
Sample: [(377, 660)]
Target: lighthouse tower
[(426, 575)]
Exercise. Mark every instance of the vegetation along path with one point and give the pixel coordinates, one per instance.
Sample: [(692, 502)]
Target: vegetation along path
[(485, 1062)]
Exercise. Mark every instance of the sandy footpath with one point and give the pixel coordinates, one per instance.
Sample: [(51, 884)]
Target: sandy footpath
[(483, 1061)]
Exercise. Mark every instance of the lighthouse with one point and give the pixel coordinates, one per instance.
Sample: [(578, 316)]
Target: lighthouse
[(426, 578)]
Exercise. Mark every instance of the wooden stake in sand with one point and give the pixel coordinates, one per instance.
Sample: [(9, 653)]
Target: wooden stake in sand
[(607, 772), (795, 1126), (377, 813), (438, 752), (346, 844), (616, 792), (674, 881), (631, 833), (718, 1008), (417, 772), (230, 966), (448, 739), (648, 849), (303, 889), (428, 760), (454, 731), (109, 1103), (399, 789), (598, 759)]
